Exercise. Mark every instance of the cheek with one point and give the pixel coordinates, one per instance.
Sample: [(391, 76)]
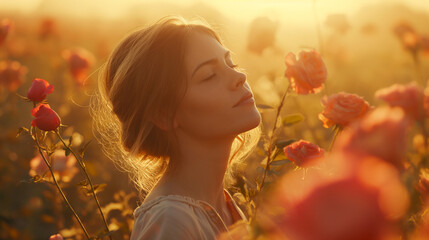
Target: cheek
[(204, 109)]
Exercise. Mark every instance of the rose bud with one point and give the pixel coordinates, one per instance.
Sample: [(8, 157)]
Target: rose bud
[(46, 118), (39, 89)]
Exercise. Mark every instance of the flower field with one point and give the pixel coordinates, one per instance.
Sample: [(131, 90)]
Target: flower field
[(344, 99)]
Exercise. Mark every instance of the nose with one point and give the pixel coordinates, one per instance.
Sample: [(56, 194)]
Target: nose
[(239, 78)]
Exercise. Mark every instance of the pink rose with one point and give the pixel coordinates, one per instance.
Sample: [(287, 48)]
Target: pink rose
[(46, 118), (39, 89), (408, 97), (382, 133), (12, 74), (342, 108), (303, 153), (307, 74), (56, 237), (64, 167)]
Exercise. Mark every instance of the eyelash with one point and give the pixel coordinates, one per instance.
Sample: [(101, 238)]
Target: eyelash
[(212, 76)]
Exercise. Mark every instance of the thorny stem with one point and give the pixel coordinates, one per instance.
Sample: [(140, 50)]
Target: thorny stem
[(270, 145), (58, 186), (82, 165)]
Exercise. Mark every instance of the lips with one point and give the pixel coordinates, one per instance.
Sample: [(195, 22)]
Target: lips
[(244, 98)]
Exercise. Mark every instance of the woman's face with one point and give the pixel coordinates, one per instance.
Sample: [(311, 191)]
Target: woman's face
[(214, 88)]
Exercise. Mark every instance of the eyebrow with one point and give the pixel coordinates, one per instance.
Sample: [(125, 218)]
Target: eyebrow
[(211, 61)]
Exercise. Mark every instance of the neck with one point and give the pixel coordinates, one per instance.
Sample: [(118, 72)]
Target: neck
[(199, 170)]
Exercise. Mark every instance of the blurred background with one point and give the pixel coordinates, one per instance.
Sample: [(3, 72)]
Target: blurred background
[(64, 42)]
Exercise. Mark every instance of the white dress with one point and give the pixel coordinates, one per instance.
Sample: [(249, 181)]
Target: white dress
[(181, 217)]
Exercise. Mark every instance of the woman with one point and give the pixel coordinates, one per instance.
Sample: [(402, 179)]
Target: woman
[(183, 114)]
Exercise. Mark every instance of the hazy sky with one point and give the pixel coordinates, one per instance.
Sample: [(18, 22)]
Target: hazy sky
[(240, 9)]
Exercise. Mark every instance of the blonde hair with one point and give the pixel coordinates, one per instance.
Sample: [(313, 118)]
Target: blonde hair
[(144, 80)]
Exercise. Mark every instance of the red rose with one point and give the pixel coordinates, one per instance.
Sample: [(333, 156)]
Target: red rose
[(80, 61), (307, 74), (39, 89), (303, 152), (46, 118)]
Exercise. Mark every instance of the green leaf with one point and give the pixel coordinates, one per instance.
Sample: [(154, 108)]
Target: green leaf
[(83, 183), (283, 143), (82, 150), (70, 141), (279, 162), (292, 119), (67, 151), (20, 130), (97, 188)]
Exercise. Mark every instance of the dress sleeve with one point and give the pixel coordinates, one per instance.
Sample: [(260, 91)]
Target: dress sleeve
[(166, 220)]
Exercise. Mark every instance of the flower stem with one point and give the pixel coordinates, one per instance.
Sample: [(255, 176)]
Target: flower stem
[(271, 140), (58, 186), (337, 130), (82, 165), (416, 61)]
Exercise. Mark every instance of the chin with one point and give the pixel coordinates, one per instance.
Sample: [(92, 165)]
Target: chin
[(252, 121)]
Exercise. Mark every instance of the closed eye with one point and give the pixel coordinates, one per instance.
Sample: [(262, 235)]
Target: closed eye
[(212, 76)]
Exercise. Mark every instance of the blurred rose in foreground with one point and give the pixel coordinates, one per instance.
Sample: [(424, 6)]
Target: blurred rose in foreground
[(39, 89), (56, 237), (308, 73), (5, 26), (342, 108), (63, 166), (45, 118), (354, 203), (303, 153), (381, 133), (408, 97), (12, 75), (79, 62)]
